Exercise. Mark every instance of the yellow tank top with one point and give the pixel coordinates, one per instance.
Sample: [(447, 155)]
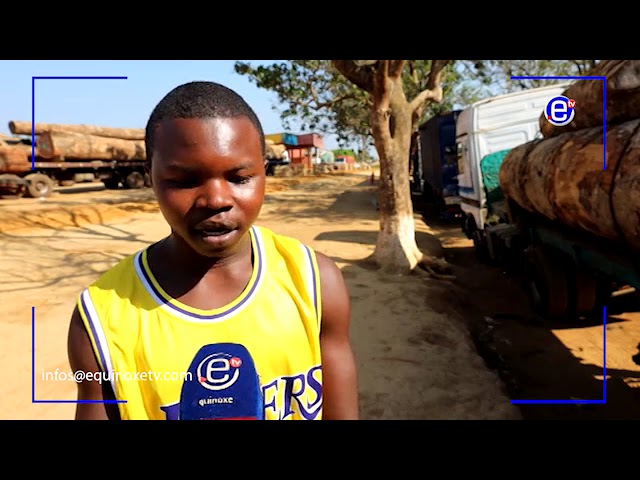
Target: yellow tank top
[(145, 340)]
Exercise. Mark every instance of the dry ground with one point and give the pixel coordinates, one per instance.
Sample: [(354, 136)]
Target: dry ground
[(415, 356)]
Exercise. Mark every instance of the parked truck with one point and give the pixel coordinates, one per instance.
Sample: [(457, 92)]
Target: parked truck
[(433, 166), (65, 154), (39, 179), (493, 125), (551, 206)]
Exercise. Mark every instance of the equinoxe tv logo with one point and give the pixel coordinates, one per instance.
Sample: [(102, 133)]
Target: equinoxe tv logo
[(560, 111)]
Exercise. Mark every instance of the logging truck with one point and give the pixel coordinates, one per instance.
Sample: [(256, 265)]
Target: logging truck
[(65, 154), (554, 206)]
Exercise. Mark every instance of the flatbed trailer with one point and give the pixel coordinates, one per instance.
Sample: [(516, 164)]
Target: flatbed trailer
[(569, 273), (38, 180)]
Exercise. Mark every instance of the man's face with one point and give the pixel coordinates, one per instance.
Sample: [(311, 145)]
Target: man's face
[(209, 178)]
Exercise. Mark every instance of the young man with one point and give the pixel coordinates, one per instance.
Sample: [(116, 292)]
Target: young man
[(216, 286)]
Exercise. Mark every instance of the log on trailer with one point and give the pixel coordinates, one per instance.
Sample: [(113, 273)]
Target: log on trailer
[(73, 146), (13, 142), (13, 159), (24, 128), (623, 97), (563, 179)]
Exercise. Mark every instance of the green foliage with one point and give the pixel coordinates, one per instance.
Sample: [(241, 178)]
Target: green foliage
[(487, 78), (344, 152), (314, 96)]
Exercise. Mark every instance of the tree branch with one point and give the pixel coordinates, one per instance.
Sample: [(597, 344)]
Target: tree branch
[(413, 72), (395, 68), (383, 86), (317, 104), (434, 88), (360, 75), (435, 73)]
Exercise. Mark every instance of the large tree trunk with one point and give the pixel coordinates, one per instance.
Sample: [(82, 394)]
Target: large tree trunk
[(71, 146), (24, 128), (392, 121), (623, 97), (396, 248), (563, 179)]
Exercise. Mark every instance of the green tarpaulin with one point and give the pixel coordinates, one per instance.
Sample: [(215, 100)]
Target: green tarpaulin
[(490, 168)]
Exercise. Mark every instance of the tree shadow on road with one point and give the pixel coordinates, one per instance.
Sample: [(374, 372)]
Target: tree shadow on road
[(532, 361), (50, 262)]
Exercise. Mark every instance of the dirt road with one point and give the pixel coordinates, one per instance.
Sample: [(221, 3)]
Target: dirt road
[(415, 361), (411, 337)]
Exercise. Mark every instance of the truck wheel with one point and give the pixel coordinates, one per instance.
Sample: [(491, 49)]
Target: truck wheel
[(111, 183), (547, 278), (469, 226), (583, 293), (39, 185), (134, 180), (147, 180), (480, 246)]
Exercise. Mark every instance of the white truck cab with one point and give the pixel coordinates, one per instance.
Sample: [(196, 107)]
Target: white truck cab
[(488, 126)]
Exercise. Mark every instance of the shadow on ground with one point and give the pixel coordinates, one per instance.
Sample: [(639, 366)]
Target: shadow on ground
[(531, 360)]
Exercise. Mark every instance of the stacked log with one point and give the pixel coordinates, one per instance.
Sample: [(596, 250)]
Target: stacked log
[(15, 156), (74, 146), (24, 128), (623, 97), (274, 150), (13, 159), (63, 142), (563, 178)]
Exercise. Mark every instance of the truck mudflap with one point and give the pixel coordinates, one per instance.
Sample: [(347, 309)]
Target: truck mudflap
[(12, 185), (8, 180)]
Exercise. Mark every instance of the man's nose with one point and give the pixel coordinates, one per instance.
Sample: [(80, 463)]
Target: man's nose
[(215, 194)]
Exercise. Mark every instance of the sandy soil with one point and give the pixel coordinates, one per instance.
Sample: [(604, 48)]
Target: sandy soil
[(415, 355), (543, 360)]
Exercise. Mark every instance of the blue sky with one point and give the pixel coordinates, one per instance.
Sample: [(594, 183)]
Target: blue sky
[(118, 103)]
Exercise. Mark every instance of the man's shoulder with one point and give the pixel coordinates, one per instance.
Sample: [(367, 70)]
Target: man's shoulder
[(271, 236), (298, 249), (117, 273), (290, 249)]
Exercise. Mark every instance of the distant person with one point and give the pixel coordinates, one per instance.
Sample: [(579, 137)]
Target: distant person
[(217, 285)]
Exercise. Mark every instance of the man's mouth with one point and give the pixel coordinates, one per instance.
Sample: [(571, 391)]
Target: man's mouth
[(213, 229)]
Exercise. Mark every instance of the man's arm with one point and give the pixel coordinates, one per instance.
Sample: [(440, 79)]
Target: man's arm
[(82, 358), (339, 379)]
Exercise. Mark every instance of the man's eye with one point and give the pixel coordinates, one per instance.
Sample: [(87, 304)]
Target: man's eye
[(183, 183), (240, 179)]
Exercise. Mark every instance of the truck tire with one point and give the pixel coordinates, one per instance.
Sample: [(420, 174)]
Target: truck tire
[(480, 246), (547, 278), (111, 183), (134, 180), (147, 180), (39, 185), (468, 226)]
